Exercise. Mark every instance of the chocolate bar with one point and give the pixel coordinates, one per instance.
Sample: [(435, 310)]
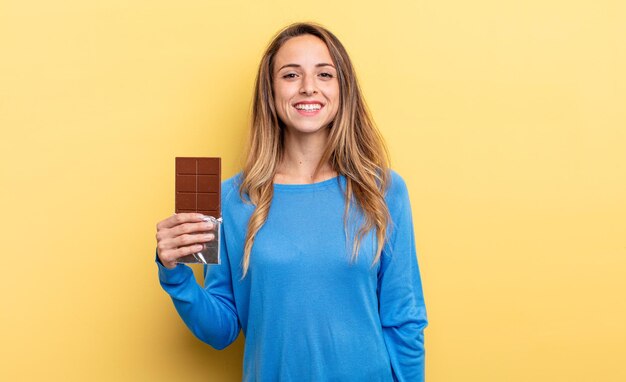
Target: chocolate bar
[(198, 187), (198, 183)]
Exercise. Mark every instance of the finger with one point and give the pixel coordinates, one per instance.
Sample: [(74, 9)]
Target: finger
[(171, 244), (164, 237), (165, 245), (186, 240), (172, 255), (185, 251), (189, 228), (181, 218)]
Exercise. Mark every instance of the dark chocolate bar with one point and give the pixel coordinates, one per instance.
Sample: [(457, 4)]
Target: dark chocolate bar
[(198, 185)]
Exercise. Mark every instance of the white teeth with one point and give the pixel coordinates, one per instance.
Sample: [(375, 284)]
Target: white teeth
[(308, 106)]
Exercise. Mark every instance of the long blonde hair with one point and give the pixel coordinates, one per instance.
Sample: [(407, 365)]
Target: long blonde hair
[(355, 148)]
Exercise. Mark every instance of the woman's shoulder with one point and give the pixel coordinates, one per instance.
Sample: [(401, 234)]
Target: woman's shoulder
[(230, 188), (232, 182), (397, 193), (396, 185)]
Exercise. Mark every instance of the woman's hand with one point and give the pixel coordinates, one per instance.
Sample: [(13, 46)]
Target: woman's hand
[(181, 235)]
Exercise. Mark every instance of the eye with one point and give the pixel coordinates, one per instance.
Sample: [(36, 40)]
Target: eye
[(289, 76), (326, 75)]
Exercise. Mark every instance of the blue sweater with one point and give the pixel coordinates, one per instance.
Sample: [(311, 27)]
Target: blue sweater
[(308, 312)]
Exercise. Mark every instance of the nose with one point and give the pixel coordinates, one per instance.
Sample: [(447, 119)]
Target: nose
[(308, 85)]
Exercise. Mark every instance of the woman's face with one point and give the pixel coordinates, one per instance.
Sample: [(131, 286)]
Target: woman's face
[(306, 89)]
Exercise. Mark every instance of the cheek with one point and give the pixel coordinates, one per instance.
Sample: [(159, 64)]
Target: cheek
[(335, 98), (332, 92), (279, 98), (282, 95), (334, 111)]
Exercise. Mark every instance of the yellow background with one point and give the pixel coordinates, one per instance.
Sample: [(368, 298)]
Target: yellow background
[(506, 118)]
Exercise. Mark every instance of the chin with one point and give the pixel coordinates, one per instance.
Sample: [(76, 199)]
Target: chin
[(308, 129)]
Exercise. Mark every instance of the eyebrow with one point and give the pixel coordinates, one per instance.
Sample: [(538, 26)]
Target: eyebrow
[(299, 66)]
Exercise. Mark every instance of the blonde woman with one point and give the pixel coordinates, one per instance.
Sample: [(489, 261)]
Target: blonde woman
[(318, 266)]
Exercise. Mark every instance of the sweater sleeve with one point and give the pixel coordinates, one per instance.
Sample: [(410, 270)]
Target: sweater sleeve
[(402, 308), (209, 312)]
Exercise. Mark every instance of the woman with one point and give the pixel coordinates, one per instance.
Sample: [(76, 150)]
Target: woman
[(318, 267)]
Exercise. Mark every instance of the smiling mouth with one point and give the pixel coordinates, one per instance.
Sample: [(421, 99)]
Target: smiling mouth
[(310, 107)]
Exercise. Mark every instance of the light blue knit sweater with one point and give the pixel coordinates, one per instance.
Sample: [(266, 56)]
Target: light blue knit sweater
[(307, 311)]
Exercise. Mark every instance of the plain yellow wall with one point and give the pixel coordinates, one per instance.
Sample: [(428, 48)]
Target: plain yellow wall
[(506, 118)]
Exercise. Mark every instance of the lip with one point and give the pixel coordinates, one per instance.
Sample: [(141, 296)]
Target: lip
[(308, 113), (308, 103)]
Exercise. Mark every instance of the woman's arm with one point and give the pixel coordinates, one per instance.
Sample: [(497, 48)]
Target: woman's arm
[(401, 300), (209, 312)]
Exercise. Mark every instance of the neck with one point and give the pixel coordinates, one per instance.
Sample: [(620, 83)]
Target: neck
[(301, 158)]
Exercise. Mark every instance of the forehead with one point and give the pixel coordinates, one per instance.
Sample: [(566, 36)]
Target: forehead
[(303, 50)]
